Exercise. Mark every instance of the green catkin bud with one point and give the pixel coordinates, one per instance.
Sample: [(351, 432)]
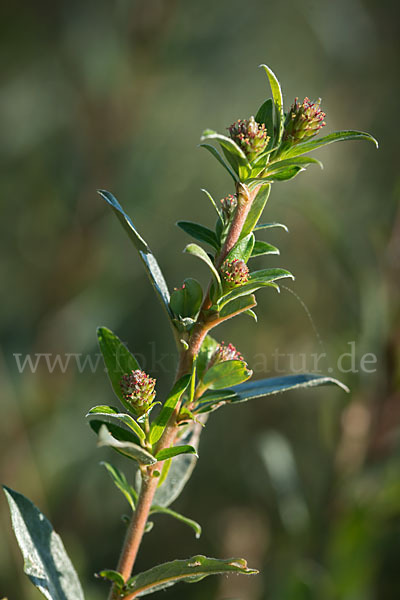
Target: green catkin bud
[(235, 272), (138, 391), (250, 136), (303, 121)]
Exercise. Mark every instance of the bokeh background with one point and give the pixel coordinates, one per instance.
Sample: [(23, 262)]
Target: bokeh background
[(114, 95)]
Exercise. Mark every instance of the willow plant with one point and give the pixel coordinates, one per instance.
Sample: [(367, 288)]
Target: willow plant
[(272, 146)]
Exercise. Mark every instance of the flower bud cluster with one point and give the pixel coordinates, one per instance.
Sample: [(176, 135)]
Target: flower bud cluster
[(303, 121), (138, 390), (250, 136), (229, 204), (226, 352), (235, 272)]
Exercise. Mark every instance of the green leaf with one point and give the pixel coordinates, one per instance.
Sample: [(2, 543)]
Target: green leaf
[(337, 136), (117, 359), (242, 249), (207, 349), (120, 432), (152, 267), (126, 448), (283, 165), (258, 279), (196, 250), (219, 158), (238, 306), (121, 483), (252, 315), (256, 210), (233, 153), (269, 225), (265, 115), (186, 301), (164, 415), (268, 275), (282, 175), (226, 374), (46, 562), (111, 415), (245, 290), (190, 570), (219, 212), (114, 577), (211, 400), (175, 451), (167, 511), (274, 385), (175, 476), (199, 232), (278, 102), (261, 248)]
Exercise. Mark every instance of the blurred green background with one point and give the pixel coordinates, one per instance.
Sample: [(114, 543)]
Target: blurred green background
[(115, 95)]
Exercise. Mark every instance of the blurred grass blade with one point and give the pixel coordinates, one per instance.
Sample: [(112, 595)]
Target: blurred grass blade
[(46, 562)]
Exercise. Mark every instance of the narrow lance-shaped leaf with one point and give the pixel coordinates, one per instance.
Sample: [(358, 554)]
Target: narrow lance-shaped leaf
[(219, 158), (190, 570), (172, 513), (121, 483), (264, 387), (109, 414), (278, 102), (126, 448), (281, 175), (117, 359), (337, 136), (163, 417), (233, 153), (218, 210), (265, 115), (46, 562), (256, 210), (261, 248), (240, 305), (176, 472), (167, 453), (269, 226), (152, 267), (196, 250), (199, 232), (301, 161), (258, 279)]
